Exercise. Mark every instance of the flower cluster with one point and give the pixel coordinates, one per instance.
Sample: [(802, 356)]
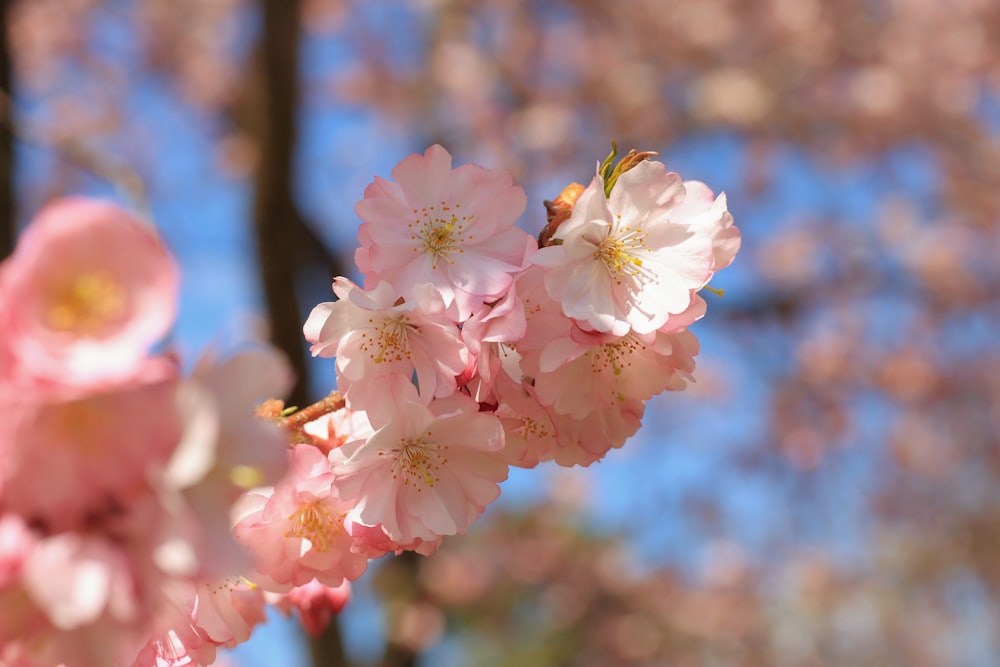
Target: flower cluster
[(146, 518), (469, 348), (116, 473)]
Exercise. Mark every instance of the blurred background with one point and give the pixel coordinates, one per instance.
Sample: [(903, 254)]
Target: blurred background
[(828, 493)]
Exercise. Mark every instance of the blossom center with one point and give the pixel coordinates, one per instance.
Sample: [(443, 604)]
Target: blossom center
[(390, 340), (418, 463), (619, 253), (532, 427), (615, 357), (440, 231), (315, 522), (86, 304)]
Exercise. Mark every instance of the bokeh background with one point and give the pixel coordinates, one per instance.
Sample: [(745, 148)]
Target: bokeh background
[(828, 493)]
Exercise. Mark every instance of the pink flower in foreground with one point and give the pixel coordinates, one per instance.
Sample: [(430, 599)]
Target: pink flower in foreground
[(452, 228), (426, 472), (224, 451), (87, 292), (628, 261), (66, 458), (372, 337), (198, 619), (295, 531)]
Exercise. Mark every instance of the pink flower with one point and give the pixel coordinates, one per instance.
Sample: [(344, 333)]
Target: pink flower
[(224, 451), (590, 371), (198, 619), (67, 457), (489, 334), (375, 543), (426, 472), (576, 372), (452, 228), (87, 292), (16, 542), (372, 338), (228, 610), (584, 441), (75, 579), (703, 210), (295, 531), (528, 426), (627, 262), (316, 604)]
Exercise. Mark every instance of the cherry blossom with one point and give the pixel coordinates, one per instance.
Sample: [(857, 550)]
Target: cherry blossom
[(295, 530), (627, 261), (87, 293), (146, 518), (426, 472), (68, 456), (372, 337), (452, 228), (585, 371)]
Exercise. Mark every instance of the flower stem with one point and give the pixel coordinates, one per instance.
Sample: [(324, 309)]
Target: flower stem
[(333, 402)]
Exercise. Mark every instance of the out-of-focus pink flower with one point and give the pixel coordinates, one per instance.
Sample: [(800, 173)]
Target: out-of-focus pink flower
[(172, 639), (452, 228), (198, 619), (374, 338), (75, 579), (628, 261), (224, 451), (67, 457), (16, 542), (295, 531), (316, 604), (426, 472), (88, 290)]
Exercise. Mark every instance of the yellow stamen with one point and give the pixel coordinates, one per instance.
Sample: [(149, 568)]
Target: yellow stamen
[(418, 462), (716, 291), (440, 231), (316, 523), (86, 304)]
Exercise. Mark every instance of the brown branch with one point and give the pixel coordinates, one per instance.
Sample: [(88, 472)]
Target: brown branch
[(8, 211), (333, 402), (275, 99)]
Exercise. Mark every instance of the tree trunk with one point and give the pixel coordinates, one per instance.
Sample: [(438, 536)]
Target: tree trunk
[(284, 240), (8, 226)]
